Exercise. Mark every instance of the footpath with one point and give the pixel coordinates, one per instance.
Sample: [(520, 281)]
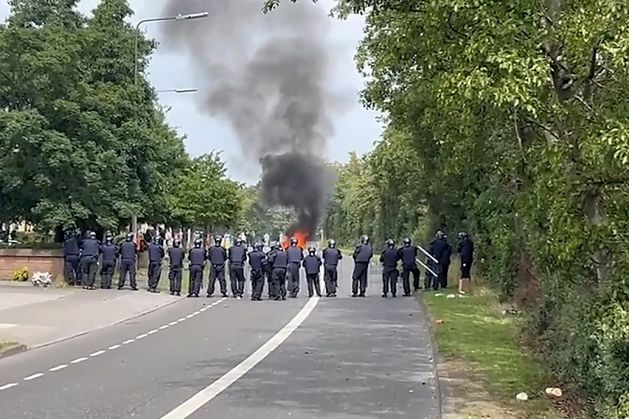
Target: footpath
[(36, 317)]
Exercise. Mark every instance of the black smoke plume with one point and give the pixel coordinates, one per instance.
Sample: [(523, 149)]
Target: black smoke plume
[(267, 75)]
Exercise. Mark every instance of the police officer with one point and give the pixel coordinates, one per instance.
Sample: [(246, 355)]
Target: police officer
[(197, 259), (269, 267), (465, 250), (257, 262), (295, 257), (279, 263), (71, 250), (312, 266), (128, 254), (331, 258), (156, 256), (217, 255), (439, 249), (108, 264), (237, 257), (90, 250), (362, 256), (408, 256), (389, 259), (176, 256)]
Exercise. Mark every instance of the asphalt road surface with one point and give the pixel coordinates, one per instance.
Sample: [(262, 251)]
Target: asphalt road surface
[(224, 358)]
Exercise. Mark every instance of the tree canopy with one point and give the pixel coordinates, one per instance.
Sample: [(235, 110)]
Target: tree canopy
[(514, 115), (80, 143)]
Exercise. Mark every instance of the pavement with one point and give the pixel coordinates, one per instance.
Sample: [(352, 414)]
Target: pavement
[(41, 316), (339, 358)]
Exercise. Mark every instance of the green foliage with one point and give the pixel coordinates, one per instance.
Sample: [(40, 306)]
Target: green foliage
[(516, 115), (79, 143), (202, 196), (21, 275), (257, 219)]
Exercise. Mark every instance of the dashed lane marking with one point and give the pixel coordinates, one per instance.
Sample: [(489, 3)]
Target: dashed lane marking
[(112, 347)]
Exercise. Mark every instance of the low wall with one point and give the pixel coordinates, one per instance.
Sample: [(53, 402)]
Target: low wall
[(34, 260)]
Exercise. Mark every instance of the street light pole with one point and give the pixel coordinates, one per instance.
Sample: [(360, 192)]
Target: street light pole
[(179, 18), (178, 91)]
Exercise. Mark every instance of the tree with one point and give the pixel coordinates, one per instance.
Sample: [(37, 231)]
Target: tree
[(79, 143), (517, 115), (202, 196)]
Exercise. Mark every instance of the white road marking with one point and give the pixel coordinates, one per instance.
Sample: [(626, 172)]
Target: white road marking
[(193, 404), (126, 342)]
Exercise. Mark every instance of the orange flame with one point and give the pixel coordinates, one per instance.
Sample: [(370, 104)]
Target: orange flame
[(302, 239)]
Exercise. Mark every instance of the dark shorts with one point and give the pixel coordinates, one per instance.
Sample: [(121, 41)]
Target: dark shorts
[(465, 270)]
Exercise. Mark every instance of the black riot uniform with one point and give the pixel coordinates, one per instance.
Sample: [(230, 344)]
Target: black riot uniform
[(389, 259), (237, 256), (71, 251), (217, 255), (269, 267), (90, 250), (197, 259), (440, 250), (465, 249), (176, 256), (156, 256), (312, 266), (128, 254), (408, 256), (108, 263), (362, 256), (258, 263), (295, 256), (331, 259), (279, 262)]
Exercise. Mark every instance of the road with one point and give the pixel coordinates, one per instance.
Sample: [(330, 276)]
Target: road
[(304, 358)]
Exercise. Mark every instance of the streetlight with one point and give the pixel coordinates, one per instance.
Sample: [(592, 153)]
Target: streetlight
[(179, 18), (178, 91)]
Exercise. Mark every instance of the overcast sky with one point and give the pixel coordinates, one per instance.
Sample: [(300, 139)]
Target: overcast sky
[(356, 129)]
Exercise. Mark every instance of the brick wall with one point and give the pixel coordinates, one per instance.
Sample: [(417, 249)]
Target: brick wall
[(34, 260)]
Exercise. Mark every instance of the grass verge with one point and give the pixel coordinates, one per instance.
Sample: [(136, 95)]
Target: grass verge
[(10, 348), (479, 350)]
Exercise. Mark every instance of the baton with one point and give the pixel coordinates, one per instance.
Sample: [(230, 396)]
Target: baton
[(426, 267), (428, 254)]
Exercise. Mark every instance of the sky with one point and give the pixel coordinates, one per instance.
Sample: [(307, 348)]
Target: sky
[(356, 129)]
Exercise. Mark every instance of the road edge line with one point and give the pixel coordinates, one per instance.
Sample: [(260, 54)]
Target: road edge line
[(204, 396)]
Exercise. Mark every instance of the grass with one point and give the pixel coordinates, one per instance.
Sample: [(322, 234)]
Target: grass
[(477, 341), (4, 346)]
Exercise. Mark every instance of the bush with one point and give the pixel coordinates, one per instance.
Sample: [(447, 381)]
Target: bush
[(21, 275)]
